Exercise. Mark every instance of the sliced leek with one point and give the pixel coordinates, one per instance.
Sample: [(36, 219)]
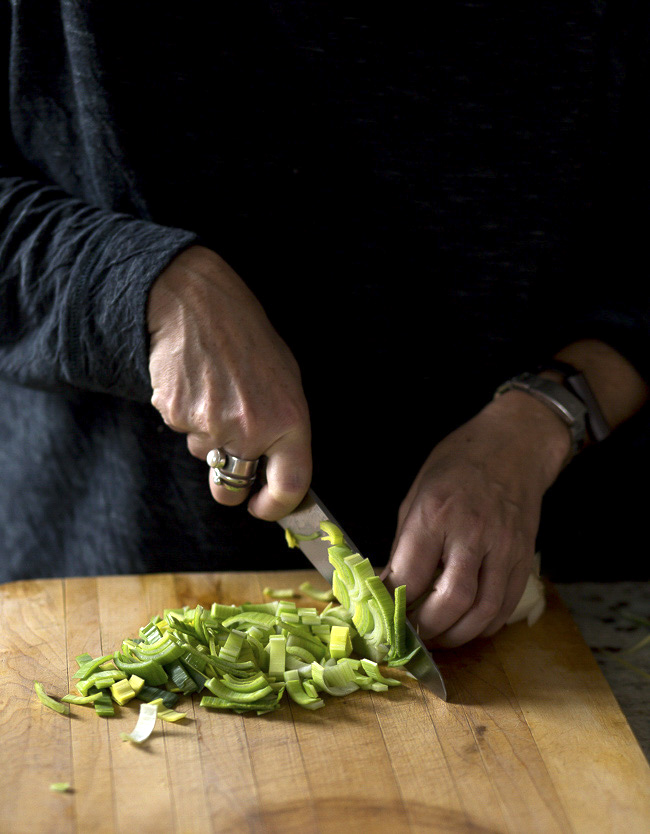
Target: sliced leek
[(246, 656), (279, 593), (48, 701), (144, 726), (308, 590)]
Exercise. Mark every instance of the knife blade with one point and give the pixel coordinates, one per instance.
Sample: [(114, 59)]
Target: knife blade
[(305, 520)]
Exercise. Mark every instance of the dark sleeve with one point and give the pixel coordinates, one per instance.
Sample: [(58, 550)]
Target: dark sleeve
[(605, 294), (74, 281)]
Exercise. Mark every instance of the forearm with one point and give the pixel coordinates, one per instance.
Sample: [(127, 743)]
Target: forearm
[(469, 523), (73, 288), (618, 387)]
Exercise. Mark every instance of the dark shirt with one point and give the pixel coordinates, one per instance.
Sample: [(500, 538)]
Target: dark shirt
[(423, 208)]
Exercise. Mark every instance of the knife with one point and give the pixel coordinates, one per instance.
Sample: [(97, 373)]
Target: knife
[(306, 520)]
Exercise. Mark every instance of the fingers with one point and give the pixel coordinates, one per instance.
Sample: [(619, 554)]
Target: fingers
[(288, 475), (221, 374), (287, 470), (515, 589), (473, 607), (418, 535), (467, 573)]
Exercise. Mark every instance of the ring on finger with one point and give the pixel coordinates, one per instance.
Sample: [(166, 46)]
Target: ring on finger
[(230, 471)]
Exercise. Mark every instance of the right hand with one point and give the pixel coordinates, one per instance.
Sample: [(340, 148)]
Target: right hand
[(222, 375)]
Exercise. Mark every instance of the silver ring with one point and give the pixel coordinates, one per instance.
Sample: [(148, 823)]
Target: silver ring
[(230, 471)]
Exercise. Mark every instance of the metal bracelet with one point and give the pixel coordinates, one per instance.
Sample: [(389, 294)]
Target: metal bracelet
[(568, 407), (575, 381)]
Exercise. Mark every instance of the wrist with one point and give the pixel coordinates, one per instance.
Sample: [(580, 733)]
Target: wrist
[(186, 283), (537, 434)]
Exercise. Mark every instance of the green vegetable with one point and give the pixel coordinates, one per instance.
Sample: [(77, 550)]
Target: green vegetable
[(87, 667), (166, 714), (104, 705), (144, 726), (293, 539), (298, 692), (50, 702), (60, 787), (152, 672), (340, 644), (372, 670), (80, 700), (279, 593), (122, 692), (152, 693), (332, 532), (309, 591), (277, 655), (379, 620), (247, 656)]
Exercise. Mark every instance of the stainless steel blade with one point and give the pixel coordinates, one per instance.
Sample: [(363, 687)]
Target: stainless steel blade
[(305, 520)]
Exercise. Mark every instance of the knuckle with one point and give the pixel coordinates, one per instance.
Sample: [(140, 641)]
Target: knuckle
[(197, 446), (170, 411), (290, 418), (459, 597), (295, 482), (246, 423), (433, 504), (488, 608)]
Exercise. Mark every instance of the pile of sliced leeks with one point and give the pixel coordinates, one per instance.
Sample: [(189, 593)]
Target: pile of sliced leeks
[(247, 656), (244, 658)]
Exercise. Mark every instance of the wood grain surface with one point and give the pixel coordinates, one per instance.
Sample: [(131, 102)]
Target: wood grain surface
[(531, 739)]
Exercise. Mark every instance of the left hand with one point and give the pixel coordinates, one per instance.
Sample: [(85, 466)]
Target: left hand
[(466, 531)]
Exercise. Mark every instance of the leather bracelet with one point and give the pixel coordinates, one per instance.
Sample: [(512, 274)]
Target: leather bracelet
[(575, 381), (562, 402)]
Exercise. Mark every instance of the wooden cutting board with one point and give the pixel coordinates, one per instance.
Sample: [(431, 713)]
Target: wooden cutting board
[(531, 739)]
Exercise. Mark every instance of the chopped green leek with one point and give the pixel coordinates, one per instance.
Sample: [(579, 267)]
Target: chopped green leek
[(246, 656), (302, 654), (398, 649), (99, 680), (293, 539), (308, 590), (297, 692), (166, 714), (222, 690), (122, 692), (340, 644), (372, 670), (83, 658), (279, 593), (90, 666), (332, 532), (80, 700), (48, 701), (336, 680), (136, 683), (248, 618), (153, 672), (104, 705), (277, 655), (152, 693), (144, 725), (60, 787)]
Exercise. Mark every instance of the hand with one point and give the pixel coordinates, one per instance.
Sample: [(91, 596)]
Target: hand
[(466, 531), (222, 375)]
